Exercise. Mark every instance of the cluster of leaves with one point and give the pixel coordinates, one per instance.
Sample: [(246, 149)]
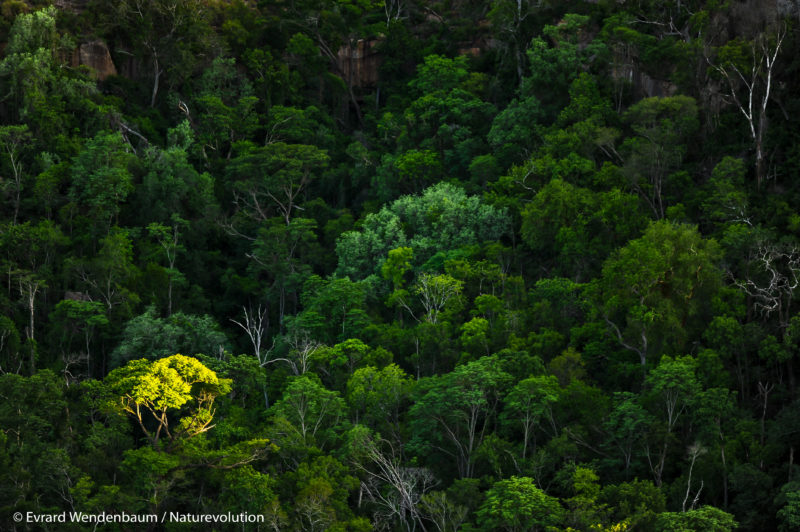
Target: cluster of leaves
[(534, 273)]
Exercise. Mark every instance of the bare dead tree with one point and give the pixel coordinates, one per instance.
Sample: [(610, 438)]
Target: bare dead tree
[(772, 285), (29, 286), (255, 325), (72, 361), (750, 90), (406, 485), (695, 450), (393, 9)]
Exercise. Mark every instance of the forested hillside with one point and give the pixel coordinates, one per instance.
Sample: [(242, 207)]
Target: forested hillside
[(401, 265)]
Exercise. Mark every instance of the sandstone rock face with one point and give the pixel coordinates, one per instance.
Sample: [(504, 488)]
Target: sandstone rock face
[(359, 63), (96, 56), (76, 6), (644, 86)]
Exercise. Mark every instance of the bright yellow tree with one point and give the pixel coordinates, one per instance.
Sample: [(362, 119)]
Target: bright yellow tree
[(173, 383)]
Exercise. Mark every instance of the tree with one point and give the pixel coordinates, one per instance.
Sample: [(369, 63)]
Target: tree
[(789, 514), (750, 86), (281, 252), (433, 293), (447, 516), (340, 361), (301, 350), (29, 57), (453, 413), (101, 180), (444, 126), (171, 188), (626, 426), (334, 309), (30, 256), (585, 511), (773, 277), (273, 176), (168, 238), (727, 201), (376, 396), (80, 316), (664, 127), (319, 489), (168, 384), (509, 21), (108, 275), (554, 65), (656, 286), (152, 337), (517, 130), (11, 361), (227, 107), (442, 218), (328, 24), (255, 325), (397, 264), (170, 32), (396, 489), (704, 518), (517, 505), (43, 94), (575, 229), (673, 389), (13, 139), (36, 465), (530, 404), (314, 412)]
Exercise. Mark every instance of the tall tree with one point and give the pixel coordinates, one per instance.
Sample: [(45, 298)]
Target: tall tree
[(168, 384), (749, 70), (656, 287), (453, 413), (171, 33)]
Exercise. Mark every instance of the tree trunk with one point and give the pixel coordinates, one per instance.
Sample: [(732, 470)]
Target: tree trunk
[(156, 76)]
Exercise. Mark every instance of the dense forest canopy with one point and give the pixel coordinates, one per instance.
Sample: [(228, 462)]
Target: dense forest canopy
[(410, 265)]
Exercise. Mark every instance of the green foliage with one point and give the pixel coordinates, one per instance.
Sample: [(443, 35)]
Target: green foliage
[(334, 309), (152, 337), (517, 504), (451, 412), (269, 179), (39, 89), (664, 127), (789, 514), (658, 284), (579, 228), (529, 406), (433, 217), (703, 518), (439, 73), (313, 413), (442, 218), (101, 180)]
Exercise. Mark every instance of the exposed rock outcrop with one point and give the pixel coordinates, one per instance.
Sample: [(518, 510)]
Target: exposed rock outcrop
[(359, 63), (96, 56), (76, 6), (643, 85)]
